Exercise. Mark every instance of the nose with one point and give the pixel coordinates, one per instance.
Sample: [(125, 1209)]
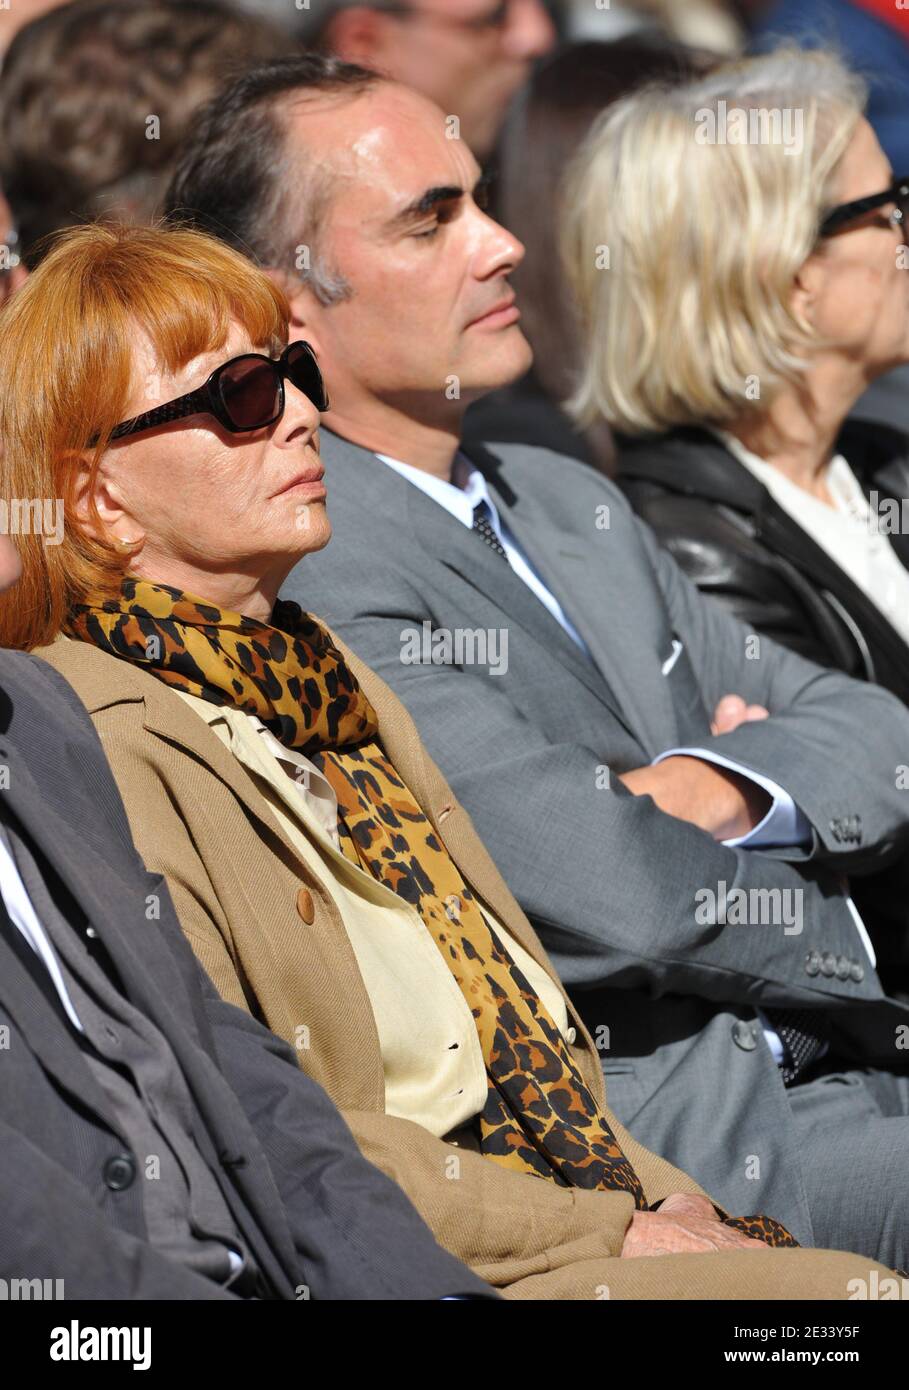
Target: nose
[(530, 31), (499, 251), (300, 418)]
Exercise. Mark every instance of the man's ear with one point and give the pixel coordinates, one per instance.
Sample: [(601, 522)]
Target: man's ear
[(304, 307), (357, 34)]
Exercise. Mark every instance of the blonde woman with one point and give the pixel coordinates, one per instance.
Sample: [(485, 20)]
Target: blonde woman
[(737, 247)]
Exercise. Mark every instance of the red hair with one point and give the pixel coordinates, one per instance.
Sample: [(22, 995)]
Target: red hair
[(67, 375)]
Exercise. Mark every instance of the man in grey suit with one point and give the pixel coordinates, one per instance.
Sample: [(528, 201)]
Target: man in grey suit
[(551, 654), (155, 1142)]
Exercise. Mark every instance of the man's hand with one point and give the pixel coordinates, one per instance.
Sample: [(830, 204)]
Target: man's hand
[(714, 798), (685, 1224), (721, 802), (732, 711)]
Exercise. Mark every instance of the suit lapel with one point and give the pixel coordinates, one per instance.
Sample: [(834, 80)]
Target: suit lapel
[(48, 1035), (589, 583)]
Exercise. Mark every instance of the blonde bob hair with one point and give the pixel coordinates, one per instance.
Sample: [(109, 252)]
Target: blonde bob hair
[(688, 212), (67, 374)]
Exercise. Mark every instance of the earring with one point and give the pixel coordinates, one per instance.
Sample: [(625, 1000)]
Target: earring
[(126, 544)]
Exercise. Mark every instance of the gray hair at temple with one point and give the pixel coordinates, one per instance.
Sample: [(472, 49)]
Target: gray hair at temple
[(239, 179)]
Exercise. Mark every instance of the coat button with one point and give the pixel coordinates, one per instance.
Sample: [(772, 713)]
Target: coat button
[(842, 968), (571, 1035), (306, 907), (119, 1172), (813, 963), (743, 1035), (857, 972), (828, 964)]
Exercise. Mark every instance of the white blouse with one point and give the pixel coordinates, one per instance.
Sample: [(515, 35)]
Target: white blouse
[(848, 531)]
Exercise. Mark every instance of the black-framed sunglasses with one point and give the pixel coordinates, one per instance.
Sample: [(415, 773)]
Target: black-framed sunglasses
[(839, 218), (244, 394)]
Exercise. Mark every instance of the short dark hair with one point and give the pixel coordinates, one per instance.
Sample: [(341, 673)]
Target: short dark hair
[(80, 85), (234, 179)]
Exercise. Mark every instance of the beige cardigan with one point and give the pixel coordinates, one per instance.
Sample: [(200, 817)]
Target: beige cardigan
[(266, 929)]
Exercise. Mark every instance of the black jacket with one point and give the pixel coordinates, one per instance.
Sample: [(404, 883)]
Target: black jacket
[(736, 543), (318, 1219)]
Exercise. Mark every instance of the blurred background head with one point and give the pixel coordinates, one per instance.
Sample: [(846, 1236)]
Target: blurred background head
[(96, 97), (17, 14), (468, 56), (12, 271)]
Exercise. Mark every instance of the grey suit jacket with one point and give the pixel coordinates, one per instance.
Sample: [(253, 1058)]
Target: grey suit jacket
[(619, 891), (315, 1215)]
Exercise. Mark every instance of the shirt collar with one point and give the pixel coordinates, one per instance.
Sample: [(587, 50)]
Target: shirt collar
[(460, 497)]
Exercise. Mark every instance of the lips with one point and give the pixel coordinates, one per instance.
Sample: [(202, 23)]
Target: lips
[(313, 481), (505, 307)]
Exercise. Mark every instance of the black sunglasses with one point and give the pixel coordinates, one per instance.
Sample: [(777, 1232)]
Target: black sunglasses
[(839, 217), (244, 394)]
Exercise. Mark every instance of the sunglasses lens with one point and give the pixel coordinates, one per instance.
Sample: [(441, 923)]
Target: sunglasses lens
[(902, 203), (303, 371), (250, 391)]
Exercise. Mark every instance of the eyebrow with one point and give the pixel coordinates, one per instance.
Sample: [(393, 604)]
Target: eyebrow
[(442, 193)]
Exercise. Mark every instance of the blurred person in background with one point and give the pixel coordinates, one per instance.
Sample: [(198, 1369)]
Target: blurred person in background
[(873, 38), (14, 15), (544, 128), (12, 271), (469, 56), (710, 24), (95, 100)]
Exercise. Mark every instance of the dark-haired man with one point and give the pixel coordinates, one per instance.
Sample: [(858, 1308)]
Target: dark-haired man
[(681, 854)]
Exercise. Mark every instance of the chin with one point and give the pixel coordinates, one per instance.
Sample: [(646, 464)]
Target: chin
[(315, 535), (505, 364)]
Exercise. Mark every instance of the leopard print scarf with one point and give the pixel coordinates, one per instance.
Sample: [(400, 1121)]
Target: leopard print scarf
[(539, 1116)]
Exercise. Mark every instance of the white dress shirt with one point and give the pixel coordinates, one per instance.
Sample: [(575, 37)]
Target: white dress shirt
[(23, 916)]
